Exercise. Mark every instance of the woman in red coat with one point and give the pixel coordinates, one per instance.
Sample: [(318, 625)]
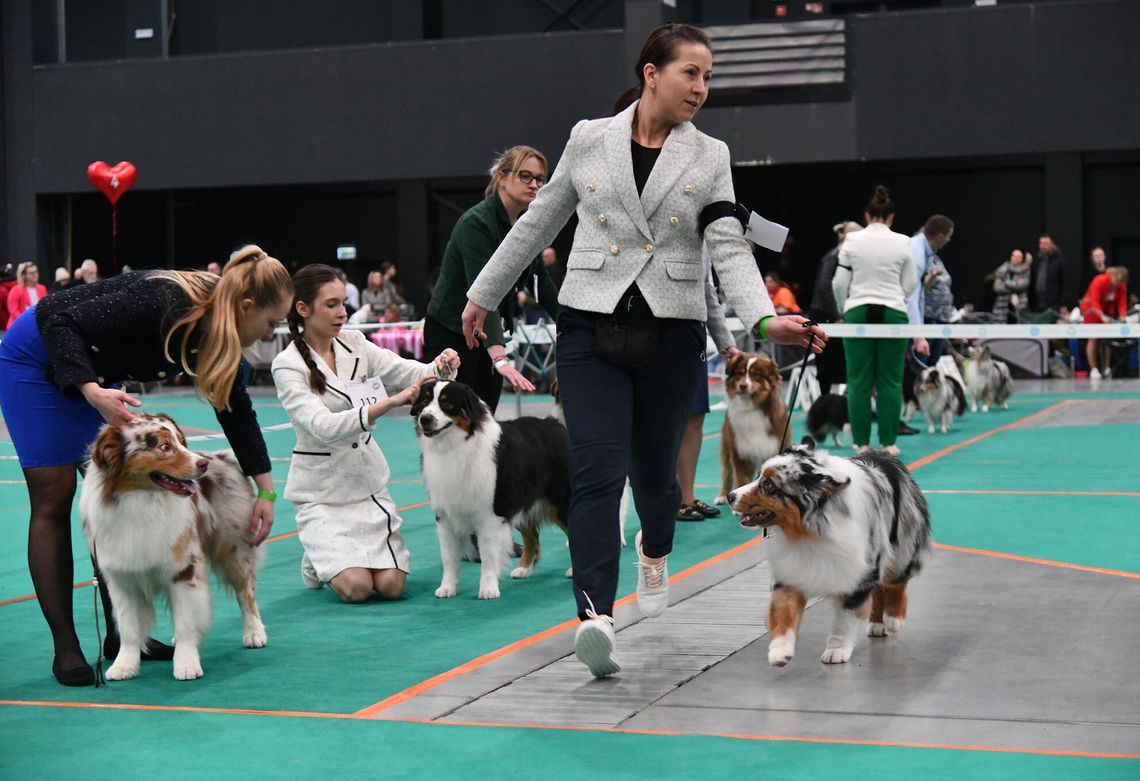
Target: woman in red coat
[(26, 292), (1105, 300)]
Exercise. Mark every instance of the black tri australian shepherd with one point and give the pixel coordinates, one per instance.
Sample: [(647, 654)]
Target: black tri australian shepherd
[(852, 529), (484, 477)]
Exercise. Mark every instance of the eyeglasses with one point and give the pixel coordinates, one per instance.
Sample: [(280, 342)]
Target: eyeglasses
[(526, 177)]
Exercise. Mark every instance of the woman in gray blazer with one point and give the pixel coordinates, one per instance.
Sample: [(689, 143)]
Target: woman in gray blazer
[(647, 187)]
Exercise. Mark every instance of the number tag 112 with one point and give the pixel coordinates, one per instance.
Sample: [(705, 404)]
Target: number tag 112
[(366, 392)]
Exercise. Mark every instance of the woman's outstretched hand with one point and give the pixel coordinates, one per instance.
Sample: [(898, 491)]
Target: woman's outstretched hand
[(110, 402), (797, 331)]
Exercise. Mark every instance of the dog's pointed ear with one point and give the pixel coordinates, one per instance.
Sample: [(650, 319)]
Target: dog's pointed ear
[(808, 442)]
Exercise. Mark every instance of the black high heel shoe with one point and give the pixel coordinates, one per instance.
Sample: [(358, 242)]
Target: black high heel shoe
[(73, 676)]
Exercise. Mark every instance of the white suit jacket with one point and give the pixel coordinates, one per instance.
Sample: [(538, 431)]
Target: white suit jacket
[(336, 459), (875, 267), (654, 240)]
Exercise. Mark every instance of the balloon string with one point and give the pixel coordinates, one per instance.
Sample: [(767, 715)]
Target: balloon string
[(115, 236)]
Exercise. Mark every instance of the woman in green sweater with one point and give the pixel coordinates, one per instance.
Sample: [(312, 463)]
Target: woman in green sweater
[(516, 178)]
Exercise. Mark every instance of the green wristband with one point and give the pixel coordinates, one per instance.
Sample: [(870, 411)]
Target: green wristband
[(762, 327), (270, 496)]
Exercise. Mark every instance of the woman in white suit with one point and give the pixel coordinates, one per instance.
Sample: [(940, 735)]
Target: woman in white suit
[(647, 187), (338, 477)]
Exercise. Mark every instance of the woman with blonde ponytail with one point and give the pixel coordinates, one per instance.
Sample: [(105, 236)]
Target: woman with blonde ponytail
[(60, 369), (338, 481)]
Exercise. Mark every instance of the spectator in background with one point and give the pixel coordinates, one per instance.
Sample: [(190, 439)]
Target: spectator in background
[(1047, 278), (381, 290), (829, 365), (26, 292), (214, 267), (351, 293), (1098, 262), (1011, 282), (7, 282), (62, 279), (1105, 300), (125, 269), (391, 314), (935, 234), (87, 272), (938, 302), (782, 296), (554, 268)]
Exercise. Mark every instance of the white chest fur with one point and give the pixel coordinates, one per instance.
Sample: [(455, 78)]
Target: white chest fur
[(752, 430), (459, 471)]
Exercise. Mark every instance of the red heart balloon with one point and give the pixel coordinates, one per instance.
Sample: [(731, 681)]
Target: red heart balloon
[(113, 181)]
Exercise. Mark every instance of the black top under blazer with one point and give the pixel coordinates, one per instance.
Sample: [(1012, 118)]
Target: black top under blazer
[(114, 330)]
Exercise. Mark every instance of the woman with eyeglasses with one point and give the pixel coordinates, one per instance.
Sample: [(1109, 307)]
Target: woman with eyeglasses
[(648, 188), (516, 177)]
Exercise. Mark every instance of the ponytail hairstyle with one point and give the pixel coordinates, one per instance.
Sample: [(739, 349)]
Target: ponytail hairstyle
[(307, 284), (510, 161), (660, 48), (880, 206), (216, 308)]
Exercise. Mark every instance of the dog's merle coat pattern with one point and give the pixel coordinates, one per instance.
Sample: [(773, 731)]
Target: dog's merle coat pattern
[(940, 397), (484, 476), (853, 529)]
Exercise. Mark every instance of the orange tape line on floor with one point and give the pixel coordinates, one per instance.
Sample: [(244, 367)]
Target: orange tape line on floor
[(1032, 560), (948, 450), (466, 667), (285, 536), (181, 708)]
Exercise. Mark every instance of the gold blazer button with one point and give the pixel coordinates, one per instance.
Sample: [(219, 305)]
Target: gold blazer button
[(601, 218), (100, 380), (162, 375), (688, 188), (673, 221), (589, 188), (648, 247), (614, 250)]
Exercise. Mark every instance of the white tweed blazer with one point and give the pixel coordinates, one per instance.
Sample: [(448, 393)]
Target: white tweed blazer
[(337, 459), (621, 238)]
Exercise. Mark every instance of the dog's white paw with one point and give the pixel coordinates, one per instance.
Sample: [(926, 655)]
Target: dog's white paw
[(122, 671), (255, 638), (835, 655), (930, 429), (973, 408), (1005, 405), (518, 573), (985, 408), (721, 500), (781, 650), (445, 590), (893, 624), (569, 572), (875, 629), (187, 670), (489, 591)]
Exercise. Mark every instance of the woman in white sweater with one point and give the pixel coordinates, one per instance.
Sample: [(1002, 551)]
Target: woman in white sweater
[(875, 274)]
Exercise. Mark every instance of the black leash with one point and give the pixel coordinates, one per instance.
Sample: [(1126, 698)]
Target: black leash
[(99, 679), (796, 385)]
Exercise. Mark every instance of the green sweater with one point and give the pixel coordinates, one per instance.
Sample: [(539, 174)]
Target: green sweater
[(473, 241)]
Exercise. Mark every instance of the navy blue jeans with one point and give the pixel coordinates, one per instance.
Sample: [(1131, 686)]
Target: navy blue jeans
[(623, 421)]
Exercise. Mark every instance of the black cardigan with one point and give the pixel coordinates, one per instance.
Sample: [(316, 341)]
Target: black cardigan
[(115, 330)]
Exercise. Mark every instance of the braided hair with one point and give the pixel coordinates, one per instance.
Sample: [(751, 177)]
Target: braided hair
[(307, 284)]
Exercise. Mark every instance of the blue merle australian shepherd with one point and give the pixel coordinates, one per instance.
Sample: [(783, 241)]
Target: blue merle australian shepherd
[(853, 529)]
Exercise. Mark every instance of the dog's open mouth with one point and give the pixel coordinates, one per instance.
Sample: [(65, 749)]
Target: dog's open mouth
[(173, 484), (429, 433), (757, 520)]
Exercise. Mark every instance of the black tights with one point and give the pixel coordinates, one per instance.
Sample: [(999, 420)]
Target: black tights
[(52, 493)]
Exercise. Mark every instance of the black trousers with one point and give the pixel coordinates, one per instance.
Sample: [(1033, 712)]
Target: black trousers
[(475, 367), (623, 421)]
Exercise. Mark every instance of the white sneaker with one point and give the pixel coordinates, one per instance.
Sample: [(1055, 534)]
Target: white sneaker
[(1107, 373), (652, 583), (594, 643), (1094, 374), (892, 450), (309, 574)]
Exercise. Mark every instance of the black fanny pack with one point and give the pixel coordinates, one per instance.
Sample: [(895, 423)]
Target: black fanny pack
[(628, 336), (624, 344)]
